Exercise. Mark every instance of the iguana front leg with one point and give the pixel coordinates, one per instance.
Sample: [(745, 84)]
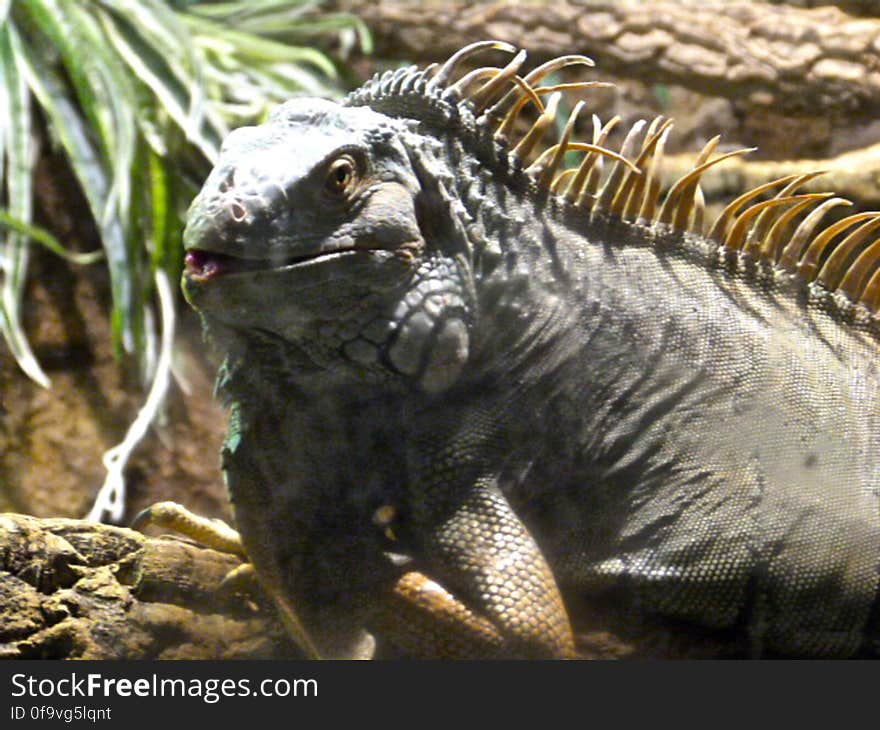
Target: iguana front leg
[(490, 586), (519, 616)]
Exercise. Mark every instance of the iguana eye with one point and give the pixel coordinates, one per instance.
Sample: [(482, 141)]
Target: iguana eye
[(340, 175)]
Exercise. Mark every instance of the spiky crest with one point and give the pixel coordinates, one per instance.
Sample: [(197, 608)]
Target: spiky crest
[(485, 104)]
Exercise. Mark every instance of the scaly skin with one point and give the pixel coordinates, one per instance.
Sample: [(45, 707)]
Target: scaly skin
[(453, 394)]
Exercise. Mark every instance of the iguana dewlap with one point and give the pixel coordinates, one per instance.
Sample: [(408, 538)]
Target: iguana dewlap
[(465, 379)]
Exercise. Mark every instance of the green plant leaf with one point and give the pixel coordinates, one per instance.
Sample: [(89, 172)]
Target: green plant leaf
[(73, 134), (41, 235), (17, 153), (155, 46)]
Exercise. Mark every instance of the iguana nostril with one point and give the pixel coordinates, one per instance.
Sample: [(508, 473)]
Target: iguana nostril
[(237, 211)]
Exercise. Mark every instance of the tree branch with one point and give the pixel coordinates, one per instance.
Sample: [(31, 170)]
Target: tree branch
[(795, 59), (854, 175), (71, 589)]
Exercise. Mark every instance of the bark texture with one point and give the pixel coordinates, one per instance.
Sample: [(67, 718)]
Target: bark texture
[(792, 58), (71, 589)]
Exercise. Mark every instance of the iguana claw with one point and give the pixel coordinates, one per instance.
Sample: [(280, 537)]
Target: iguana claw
[(218, 535)]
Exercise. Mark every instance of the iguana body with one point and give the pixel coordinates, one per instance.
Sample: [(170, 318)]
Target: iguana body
[(456, 384)]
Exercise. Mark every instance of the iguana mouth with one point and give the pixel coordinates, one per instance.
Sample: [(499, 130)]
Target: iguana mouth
[(203, 265)]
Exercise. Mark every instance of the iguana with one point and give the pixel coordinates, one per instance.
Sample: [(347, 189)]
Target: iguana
[(465, 379)]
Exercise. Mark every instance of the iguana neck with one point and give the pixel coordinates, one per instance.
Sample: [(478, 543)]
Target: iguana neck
[(259, 372)]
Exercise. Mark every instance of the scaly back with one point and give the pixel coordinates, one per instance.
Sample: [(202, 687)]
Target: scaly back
[(773, 229)]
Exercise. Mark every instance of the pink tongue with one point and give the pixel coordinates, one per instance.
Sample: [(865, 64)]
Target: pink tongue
[(203, 264)]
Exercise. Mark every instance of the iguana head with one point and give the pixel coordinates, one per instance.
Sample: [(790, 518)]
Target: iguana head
[(310, 229)]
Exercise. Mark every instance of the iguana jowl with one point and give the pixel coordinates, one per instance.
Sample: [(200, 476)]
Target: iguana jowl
[(461, 375)]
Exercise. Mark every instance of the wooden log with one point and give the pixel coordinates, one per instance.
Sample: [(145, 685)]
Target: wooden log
[(793, 59), (71, 589)]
